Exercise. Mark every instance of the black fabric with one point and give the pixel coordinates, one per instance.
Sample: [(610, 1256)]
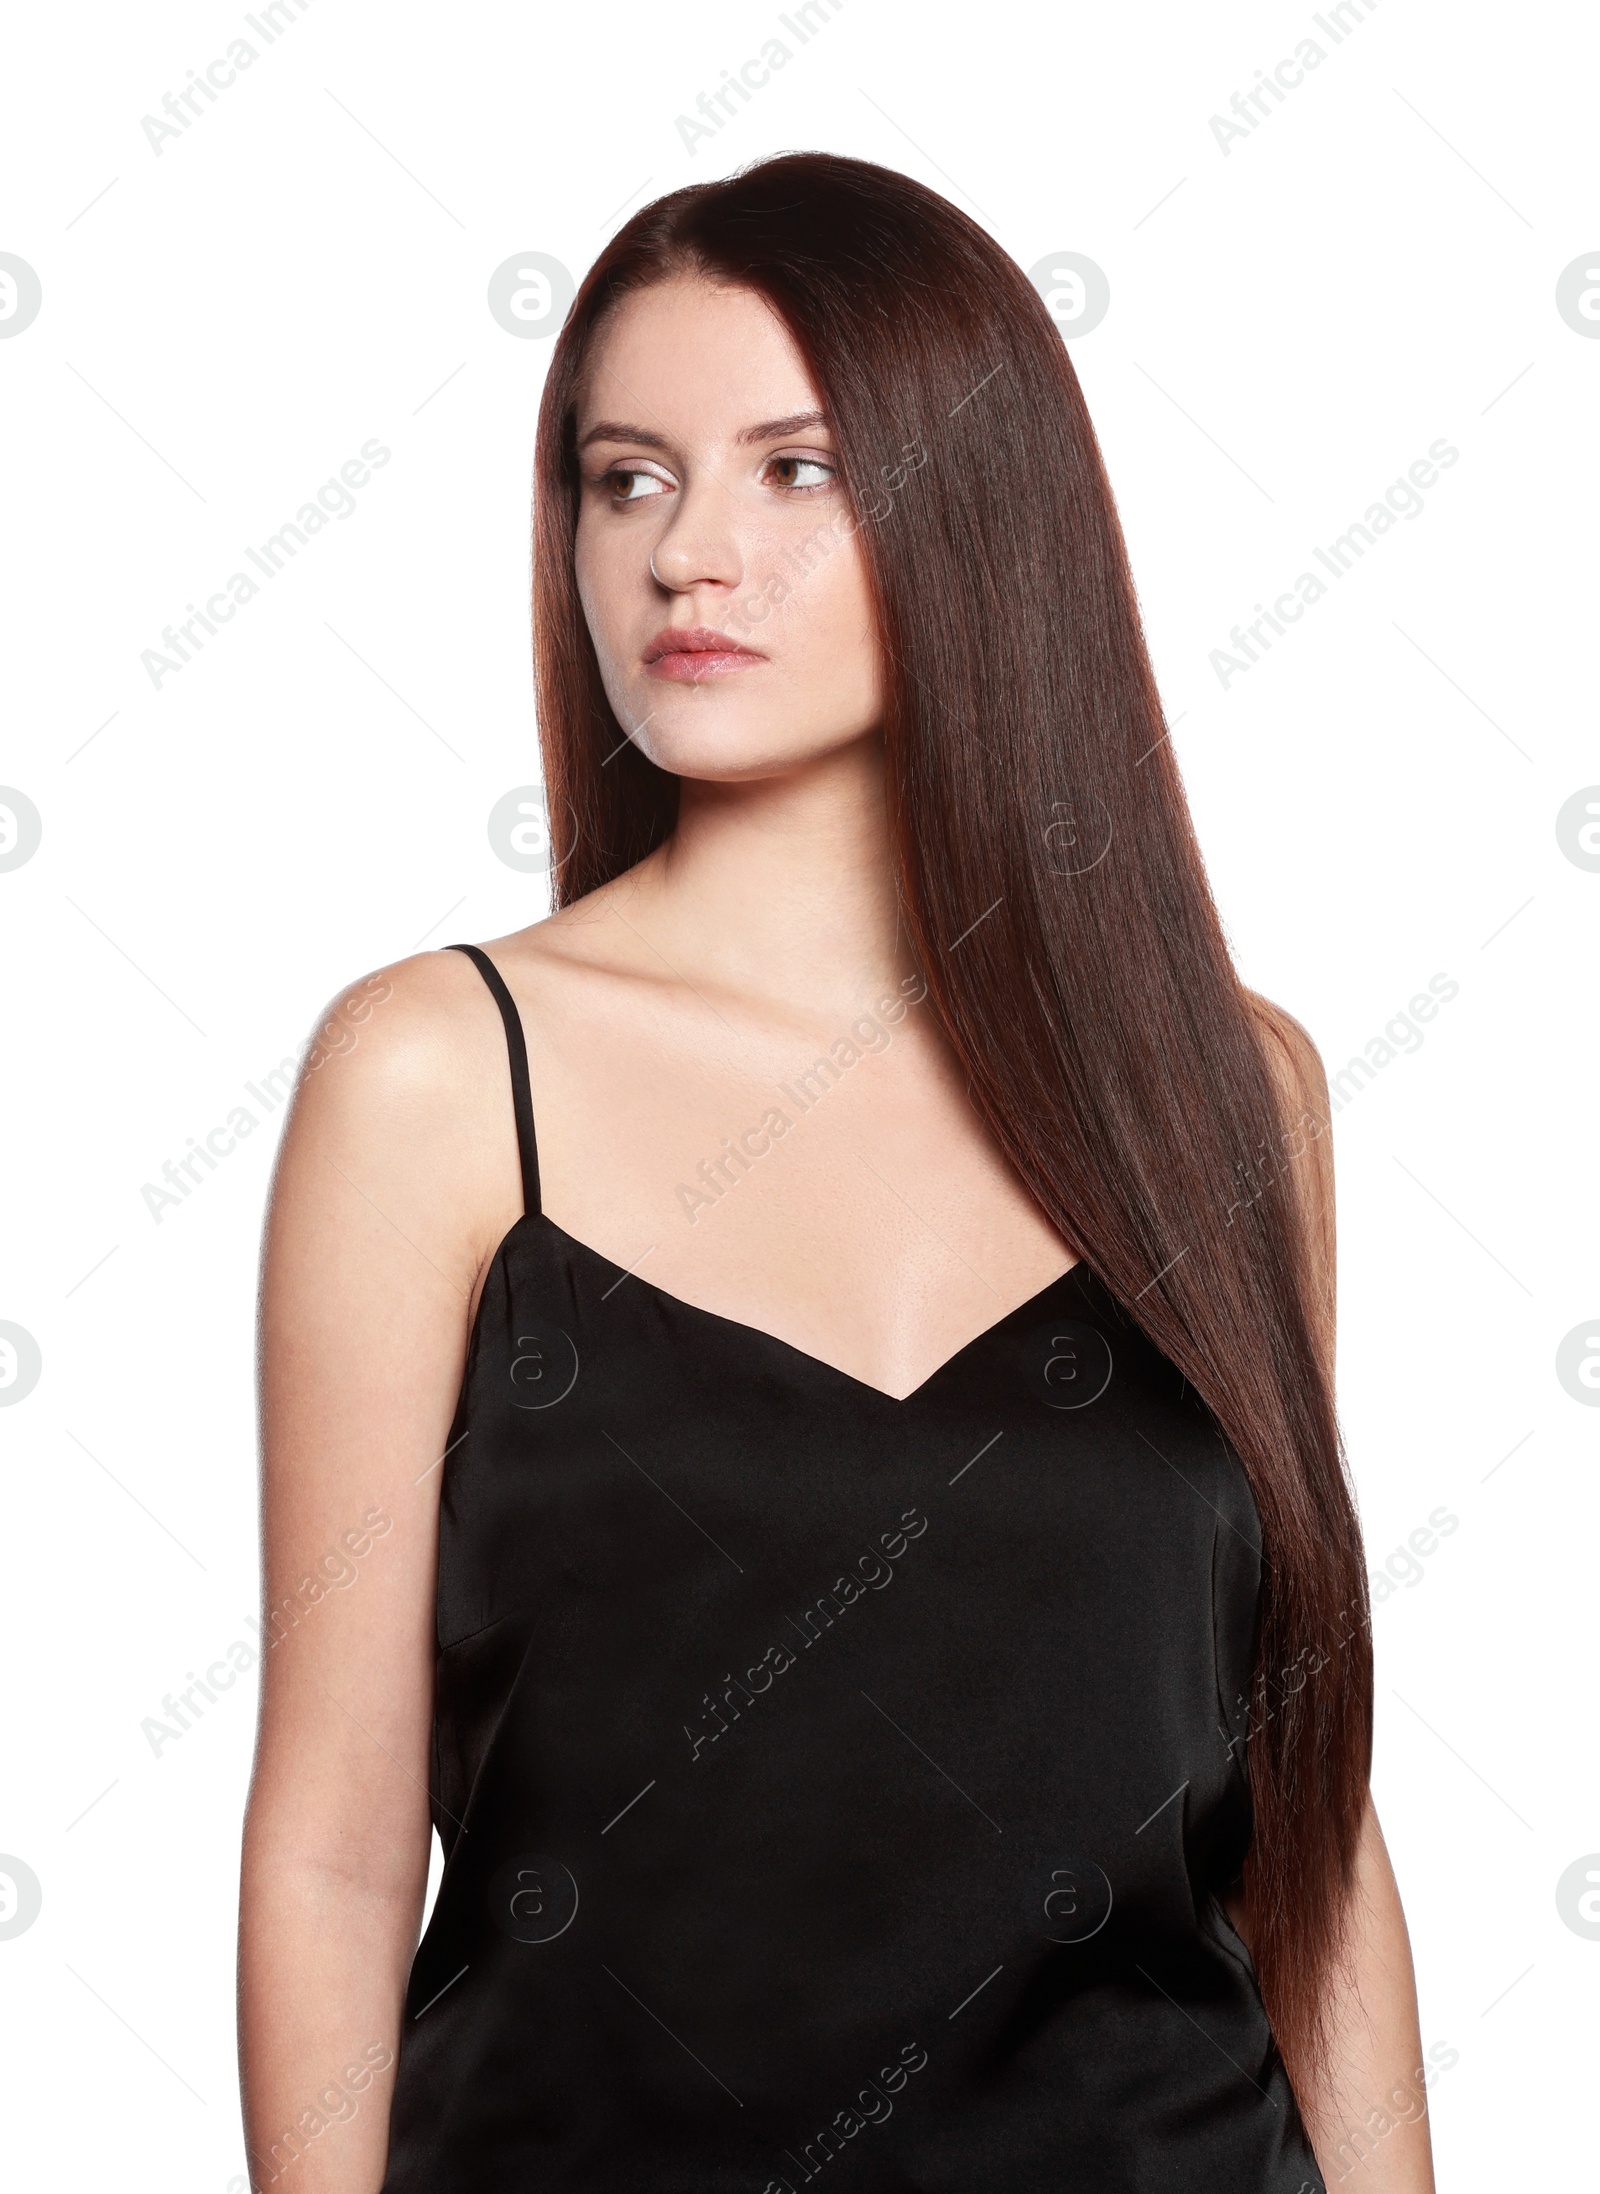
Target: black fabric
[(832, 1785), (517, 1056)]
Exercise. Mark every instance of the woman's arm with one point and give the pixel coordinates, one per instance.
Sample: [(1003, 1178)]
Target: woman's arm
[(387, 1191), (1368, 2113)]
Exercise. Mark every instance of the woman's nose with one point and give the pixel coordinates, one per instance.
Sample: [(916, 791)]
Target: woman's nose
[(699, 544)]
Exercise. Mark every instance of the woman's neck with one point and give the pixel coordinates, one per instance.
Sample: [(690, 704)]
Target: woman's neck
[(780, 888)]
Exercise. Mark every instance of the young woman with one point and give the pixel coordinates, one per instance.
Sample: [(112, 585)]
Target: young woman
[(798, 1392)]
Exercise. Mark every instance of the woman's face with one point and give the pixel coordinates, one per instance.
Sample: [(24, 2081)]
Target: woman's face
[(717, 557)]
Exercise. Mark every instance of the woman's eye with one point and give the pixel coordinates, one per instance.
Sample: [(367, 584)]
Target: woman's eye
[(630, 486), (800, 472)]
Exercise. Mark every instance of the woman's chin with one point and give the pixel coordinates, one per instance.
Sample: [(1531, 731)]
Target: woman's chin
[(733, 752)]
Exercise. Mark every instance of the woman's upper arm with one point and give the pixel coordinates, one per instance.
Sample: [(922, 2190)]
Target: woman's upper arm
[(1301, 1086), (1374, 2060), (383, 1201)]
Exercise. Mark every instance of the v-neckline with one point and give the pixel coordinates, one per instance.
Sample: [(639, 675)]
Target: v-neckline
[(748, 1331)]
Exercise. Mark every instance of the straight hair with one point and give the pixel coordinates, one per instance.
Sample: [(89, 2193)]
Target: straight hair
[(1052, 889)]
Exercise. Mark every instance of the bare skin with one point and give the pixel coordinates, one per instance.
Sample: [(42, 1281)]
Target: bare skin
[(664, 1015), (1367, 2118)]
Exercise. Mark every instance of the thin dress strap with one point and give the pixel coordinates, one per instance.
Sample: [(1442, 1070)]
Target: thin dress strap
[(521, 1093)]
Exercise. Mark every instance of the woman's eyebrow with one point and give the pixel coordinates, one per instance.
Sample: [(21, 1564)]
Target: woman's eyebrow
[(618, 430), (769, 430), (773, 430)]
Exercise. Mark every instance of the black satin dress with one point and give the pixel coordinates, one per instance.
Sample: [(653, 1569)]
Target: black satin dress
[(832, 1787)]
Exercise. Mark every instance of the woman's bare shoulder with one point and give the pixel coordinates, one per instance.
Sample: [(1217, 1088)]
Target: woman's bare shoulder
[(1300, 1084), (598, 954), (418, 1037), (1293, 1056), (402, 1104), (401, 1033)]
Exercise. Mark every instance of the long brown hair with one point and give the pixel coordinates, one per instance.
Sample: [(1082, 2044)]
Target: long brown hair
[(1051, 886)]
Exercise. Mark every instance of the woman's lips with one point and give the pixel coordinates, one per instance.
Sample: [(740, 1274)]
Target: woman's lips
[(697, 653)]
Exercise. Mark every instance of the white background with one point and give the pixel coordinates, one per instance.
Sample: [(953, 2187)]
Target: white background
[(1292, 323)]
